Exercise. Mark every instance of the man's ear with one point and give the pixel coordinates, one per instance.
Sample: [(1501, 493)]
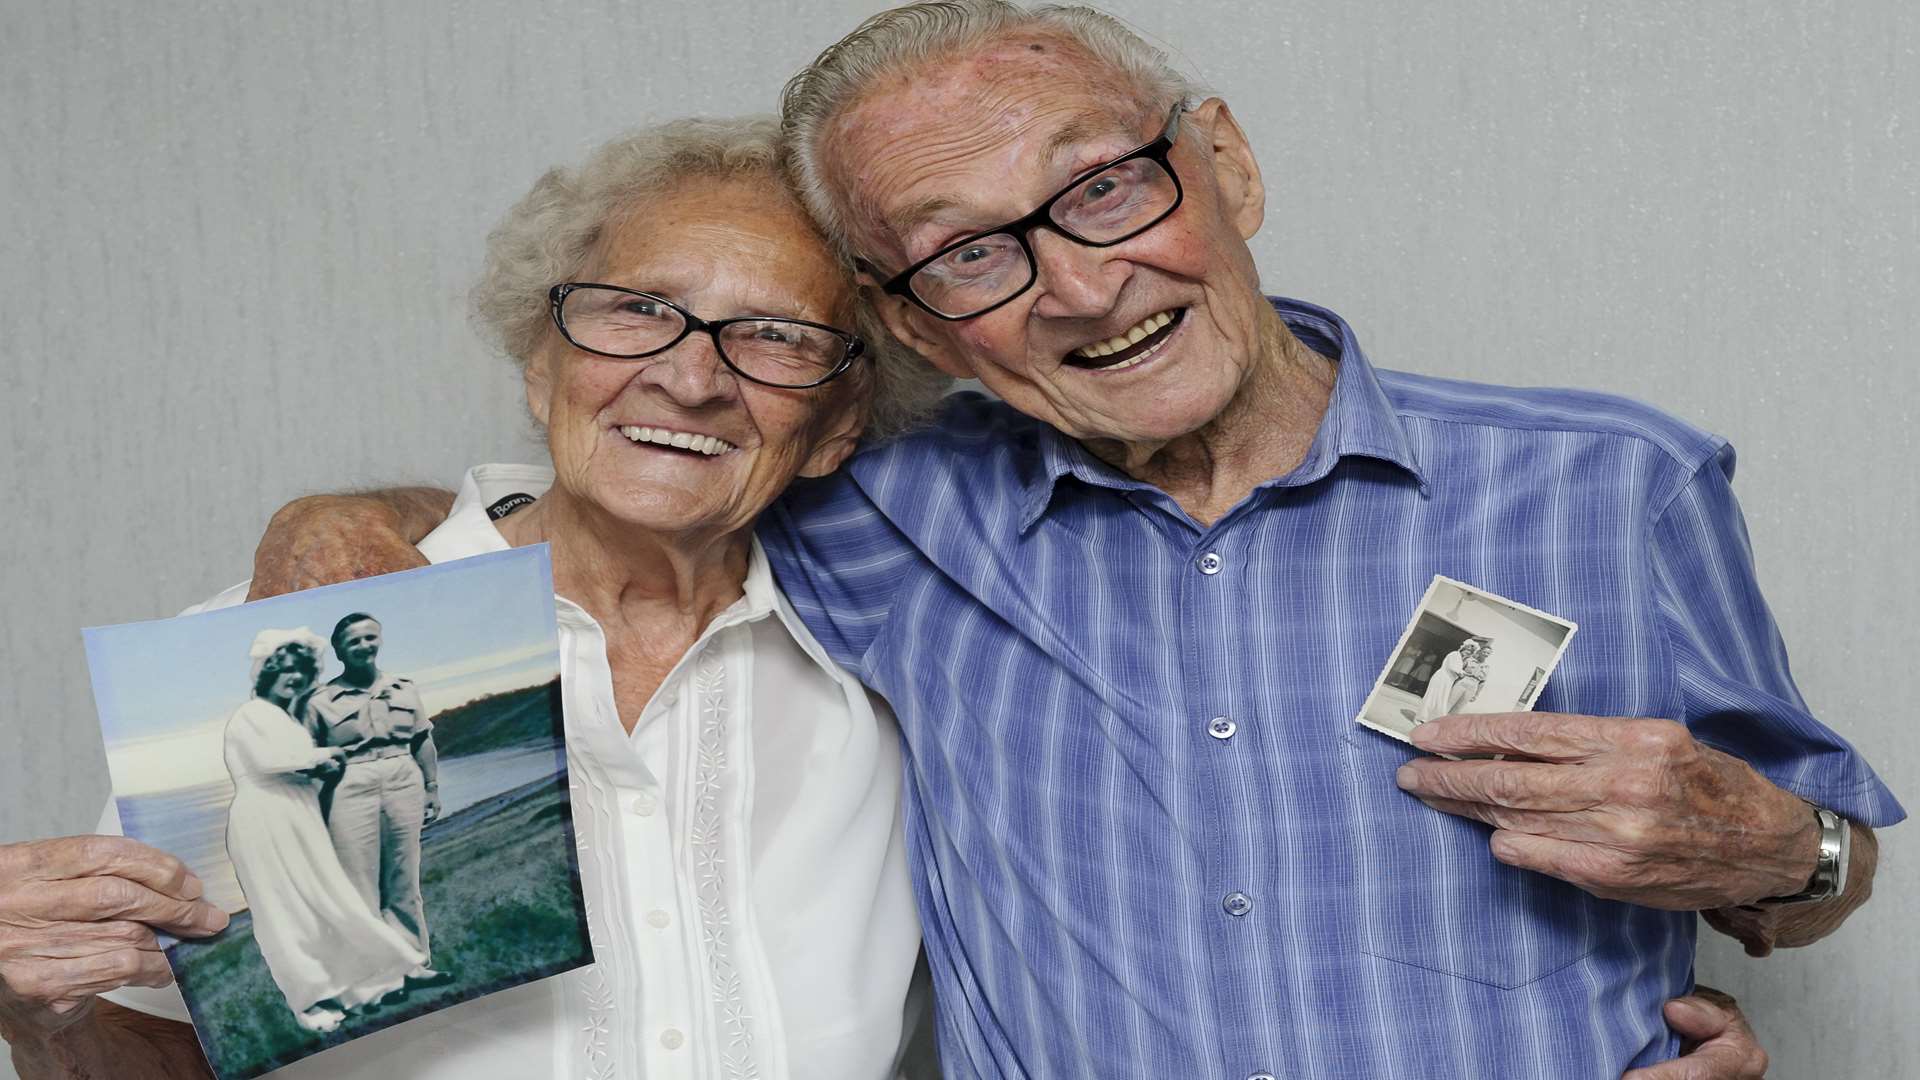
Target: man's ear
[(539, 383), (1243, 194), (907, 323)]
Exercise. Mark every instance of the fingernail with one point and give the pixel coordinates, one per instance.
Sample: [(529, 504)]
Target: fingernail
[(1406, 776), (214, 919), (192, 889)]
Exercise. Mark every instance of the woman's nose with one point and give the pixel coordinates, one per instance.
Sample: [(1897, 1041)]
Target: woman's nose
[(692, 372)]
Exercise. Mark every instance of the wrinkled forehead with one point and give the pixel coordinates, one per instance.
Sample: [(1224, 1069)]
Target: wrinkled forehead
[(977, 129), (744, 235)]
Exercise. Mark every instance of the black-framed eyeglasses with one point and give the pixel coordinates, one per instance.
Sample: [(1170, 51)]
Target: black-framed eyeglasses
[(1104, 206), (627, 324)]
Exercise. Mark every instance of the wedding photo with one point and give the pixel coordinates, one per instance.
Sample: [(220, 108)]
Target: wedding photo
[(357, 773), (1465, 651)]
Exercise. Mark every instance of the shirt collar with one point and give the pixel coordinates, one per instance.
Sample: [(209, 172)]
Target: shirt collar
[(469, 531), (1360, 421)]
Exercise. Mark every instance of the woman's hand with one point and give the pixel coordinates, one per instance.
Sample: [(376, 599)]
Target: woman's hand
[(1716, 1043), (329, 768), (77, 916)]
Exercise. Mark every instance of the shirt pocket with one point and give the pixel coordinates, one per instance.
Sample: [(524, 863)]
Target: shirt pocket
[(1429, 893)]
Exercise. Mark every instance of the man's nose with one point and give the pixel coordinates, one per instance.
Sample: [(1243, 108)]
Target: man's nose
[(1075, 281)]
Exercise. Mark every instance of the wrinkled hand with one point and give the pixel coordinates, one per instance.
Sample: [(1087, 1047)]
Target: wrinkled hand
[(323, 539), (1627, 809), (1716, 1042), (433, 806), (77, 917)]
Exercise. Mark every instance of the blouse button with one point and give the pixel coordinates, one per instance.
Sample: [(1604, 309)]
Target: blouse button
[(671, 1038)]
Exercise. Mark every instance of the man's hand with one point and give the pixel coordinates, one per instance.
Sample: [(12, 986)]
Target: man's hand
[(323, 539), (1627, 809), (1716, 1042), (75, 920), (433, 806)]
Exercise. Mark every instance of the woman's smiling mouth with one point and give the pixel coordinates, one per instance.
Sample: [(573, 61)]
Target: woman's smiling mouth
[(706, 445)]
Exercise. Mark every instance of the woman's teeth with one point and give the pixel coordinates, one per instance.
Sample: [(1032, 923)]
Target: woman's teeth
[(1132, 337), (682, 440)]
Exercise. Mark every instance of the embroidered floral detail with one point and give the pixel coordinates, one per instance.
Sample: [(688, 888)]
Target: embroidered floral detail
[(597, 1031), (710, 863), (593, 817)]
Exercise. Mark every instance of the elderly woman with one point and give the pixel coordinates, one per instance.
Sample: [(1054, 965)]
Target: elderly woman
[(327, 951), (688, 341)]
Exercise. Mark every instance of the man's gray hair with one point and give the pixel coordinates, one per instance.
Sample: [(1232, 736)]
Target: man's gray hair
[(905, 37), (545, 239)]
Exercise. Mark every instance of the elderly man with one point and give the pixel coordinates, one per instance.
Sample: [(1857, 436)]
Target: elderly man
[(1127, 616)]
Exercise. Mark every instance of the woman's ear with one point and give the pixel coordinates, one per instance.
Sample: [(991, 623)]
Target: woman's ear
[(841, 437), (537, 377)]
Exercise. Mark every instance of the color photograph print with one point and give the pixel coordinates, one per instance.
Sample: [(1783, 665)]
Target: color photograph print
[(371, 779), (1465, 650)]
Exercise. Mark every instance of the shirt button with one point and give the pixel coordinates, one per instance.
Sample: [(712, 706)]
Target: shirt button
[(1222, 728), (1210, 563), (658, 919), (1237, 904), (643, 805), (671, 1038), (1261, 1076)]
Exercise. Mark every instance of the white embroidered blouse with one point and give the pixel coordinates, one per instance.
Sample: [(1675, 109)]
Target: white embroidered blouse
[(741, 856)]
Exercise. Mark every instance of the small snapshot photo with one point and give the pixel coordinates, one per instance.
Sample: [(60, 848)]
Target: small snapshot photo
[(1465, 650), (371, 779)]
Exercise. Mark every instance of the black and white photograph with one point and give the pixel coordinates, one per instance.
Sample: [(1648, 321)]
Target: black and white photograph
[(370, 779), (1465, 650)]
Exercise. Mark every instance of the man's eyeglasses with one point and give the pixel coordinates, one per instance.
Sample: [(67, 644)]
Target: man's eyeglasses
[(1104, 206), (792, 354)]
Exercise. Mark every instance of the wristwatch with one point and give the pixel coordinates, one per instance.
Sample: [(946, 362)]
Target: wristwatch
[(1830, 872)]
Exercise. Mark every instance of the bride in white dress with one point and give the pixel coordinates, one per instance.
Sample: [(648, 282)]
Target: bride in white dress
[(1456, 682), (327, 952)]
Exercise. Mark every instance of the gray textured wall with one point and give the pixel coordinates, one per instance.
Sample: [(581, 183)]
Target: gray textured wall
[(237, 237)]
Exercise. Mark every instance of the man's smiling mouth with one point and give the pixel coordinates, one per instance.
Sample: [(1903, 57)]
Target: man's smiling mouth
[(1131, 346)]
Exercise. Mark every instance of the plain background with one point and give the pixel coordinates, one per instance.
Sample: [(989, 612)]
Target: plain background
[(235, 240)]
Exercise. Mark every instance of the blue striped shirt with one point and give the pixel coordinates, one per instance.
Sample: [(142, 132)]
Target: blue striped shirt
[(1109, 890)]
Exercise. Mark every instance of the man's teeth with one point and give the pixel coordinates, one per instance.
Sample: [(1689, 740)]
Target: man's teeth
[(684, 440), (1131, 337)]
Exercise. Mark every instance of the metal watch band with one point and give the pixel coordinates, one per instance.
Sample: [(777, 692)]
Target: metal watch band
[(1830, 871)]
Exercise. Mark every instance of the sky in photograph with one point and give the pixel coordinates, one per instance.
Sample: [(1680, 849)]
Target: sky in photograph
[(462, 629)]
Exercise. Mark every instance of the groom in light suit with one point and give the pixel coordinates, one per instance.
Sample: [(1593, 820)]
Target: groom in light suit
[(391, 786)]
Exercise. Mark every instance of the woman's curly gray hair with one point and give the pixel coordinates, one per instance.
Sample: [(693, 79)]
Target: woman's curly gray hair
[(546, 237)]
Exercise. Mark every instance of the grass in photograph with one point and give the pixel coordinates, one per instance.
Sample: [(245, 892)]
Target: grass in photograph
[(498, 880)]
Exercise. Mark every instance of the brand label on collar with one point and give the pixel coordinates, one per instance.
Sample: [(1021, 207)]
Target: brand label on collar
[(508, 504)]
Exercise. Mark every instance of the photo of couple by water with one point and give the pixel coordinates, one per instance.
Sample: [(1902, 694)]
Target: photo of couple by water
[(381, 806)]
